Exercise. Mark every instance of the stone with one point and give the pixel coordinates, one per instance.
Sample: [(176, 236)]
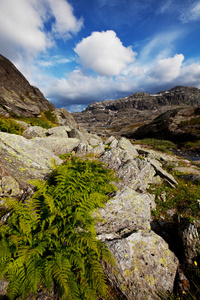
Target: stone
[(59, 131), (126, 145), (24, 160), (127, 212), (57, 145), (9, 187), (189, 235), (162, 173), (133, 172), (93, 139), (64, 118), (145, 267), (34, 131), (77, 134)]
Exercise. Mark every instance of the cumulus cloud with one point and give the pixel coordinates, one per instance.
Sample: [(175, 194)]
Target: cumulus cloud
[(65, 21), (22, 26), (104, 53), (167, 69)]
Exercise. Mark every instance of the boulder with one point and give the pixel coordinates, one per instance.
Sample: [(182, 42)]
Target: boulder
[(57, 145), (127, 212), (126, 145), (77, 134), (9, 187), (64, 118), (133, 172), (162, 173), (145, 267), (60, 131), (34, 131), (23, 160)]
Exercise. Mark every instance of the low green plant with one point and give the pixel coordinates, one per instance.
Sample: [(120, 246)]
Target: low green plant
[(52, 238), (160, 145), (184, 199), (10, 126)]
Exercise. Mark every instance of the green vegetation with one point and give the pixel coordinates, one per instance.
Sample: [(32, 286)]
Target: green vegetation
[(160, 145), (52, 238), (184, 198), (46, 120), (10, 126)]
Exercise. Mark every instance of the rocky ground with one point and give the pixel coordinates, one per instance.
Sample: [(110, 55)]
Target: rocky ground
[(146, 265)]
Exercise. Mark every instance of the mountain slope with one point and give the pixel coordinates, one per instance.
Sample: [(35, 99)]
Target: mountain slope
[(122, 115), (17, 96)]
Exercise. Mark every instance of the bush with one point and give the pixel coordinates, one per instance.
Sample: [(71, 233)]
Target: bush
[(52, 238)]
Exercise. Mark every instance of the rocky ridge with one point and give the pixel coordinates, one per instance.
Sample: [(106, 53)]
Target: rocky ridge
[(118, 117)]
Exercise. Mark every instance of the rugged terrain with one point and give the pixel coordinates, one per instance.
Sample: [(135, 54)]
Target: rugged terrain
[(151, 224), (125, 115)]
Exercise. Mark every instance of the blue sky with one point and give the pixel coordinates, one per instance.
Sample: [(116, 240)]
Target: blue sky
[(81, 51)]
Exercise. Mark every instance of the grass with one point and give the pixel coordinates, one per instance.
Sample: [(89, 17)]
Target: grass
[(183, 199), (10, 126), (160, 145), (46, 120)]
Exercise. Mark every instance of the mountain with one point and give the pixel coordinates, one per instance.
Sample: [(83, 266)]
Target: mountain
[(17, 96), (120, 116)]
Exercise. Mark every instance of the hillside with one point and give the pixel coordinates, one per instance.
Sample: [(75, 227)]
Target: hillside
[(17, 96), (118, 117)]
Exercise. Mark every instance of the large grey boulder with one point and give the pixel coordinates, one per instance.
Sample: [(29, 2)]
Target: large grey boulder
[(34, 131), (23, 160), (126, 145), (133, 172), (64, 118), (127, 212), (145, 267), (59, 131), (57, 145)]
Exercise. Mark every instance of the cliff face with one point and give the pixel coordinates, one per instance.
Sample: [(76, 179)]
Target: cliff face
[(17, 95), (120, 116)]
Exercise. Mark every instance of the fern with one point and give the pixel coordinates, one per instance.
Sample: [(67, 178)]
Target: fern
[(52, 238)]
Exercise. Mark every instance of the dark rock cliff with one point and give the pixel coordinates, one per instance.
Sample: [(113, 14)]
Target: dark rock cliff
[(17, 96)]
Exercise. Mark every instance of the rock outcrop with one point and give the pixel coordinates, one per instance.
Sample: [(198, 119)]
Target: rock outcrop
[(121, 116), (17, 96), (178, 125)]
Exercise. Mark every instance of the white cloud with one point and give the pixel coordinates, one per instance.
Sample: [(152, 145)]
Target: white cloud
[(192, 13), (53, 61), (160, 46), (65, 21), (22, 26), (167, 69), (104, 53)]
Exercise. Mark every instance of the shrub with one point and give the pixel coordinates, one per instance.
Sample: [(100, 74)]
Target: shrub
[(52, 238)]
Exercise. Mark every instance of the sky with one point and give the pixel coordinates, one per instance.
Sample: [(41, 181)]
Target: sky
[(82, 51)]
